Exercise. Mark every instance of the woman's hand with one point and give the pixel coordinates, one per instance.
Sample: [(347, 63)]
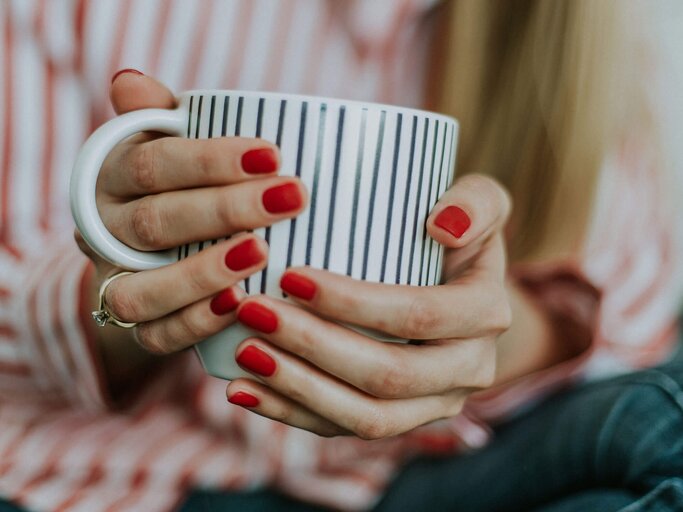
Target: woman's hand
[(157, 192), (313, 373)]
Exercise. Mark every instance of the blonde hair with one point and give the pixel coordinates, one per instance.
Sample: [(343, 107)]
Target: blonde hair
[(542, 89)]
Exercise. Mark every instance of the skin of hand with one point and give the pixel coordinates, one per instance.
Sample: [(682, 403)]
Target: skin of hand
[(314, 373), (156, 192)]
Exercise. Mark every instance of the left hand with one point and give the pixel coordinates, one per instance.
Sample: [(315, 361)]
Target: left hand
[(313, 373)]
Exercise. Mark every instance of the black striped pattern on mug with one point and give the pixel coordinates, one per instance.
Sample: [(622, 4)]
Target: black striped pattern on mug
[(373, 176)]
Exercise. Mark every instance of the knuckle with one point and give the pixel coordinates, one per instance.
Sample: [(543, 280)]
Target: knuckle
[(499, 316), (192, 328), (152, 340), (485, 373), (228, 213), (421, 319), (145, 224), (144, 164), (373, 425), (122, 304), (208, 159), (391, 380)]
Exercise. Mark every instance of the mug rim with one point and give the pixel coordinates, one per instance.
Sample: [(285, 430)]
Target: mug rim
[(320, 99)]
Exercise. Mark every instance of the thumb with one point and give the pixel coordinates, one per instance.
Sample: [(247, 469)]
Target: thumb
[(469, 212), (131, 90)]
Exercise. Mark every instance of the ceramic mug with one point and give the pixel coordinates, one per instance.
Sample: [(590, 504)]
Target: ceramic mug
[(373, 173)]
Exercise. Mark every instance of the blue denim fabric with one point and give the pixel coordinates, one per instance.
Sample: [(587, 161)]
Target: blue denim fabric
[(615, 445), (609, 446)]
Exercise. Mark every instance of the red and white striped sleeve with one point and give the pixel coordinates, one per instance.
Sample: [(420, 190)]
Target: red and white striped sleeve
[(619, 300), (45, 355)]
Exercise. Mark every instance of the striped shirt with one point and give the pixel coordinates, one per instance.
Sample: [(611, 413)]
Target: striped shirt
[(62, 447)]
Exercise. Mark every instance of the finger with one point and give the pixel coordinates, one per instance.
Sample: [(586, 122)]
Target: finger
[(152, 294), (385, 370), (174, 218), (172, 163), (191, 324), (366, 416), (266, 402), (132, 90), (470, 210), (473, 308)]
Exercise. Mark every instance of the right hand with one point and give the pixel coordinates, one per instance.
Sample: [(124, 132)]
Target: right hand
[(157, 192)]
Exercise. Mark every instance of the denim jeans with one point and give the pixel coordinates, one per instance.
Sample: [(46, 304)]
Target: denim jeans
[(614, 445)]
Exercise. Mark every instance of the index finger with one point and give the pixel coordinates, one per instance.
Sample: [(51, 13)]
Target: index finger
[(172, 163)]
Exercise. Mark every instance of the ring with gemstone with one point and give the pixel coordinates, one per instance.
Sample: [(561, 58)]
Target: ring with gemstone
[(103, 316)]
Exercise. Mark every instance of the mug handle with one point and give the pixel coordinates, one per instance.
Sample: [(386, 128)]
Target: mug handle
[(84, 179)]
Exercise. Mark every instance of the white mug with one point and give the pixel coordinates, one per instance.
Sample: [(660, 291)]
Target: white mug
[(373, 172)]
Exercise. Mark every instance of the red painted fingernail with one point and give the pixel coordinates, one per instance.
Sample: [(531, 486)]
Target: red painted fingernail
[(243, 255), (224, 302), (258, 316), (283, 198), (244, 399), (454, 220), (298, 285), (127, 70), (259, 161), (257, 361)]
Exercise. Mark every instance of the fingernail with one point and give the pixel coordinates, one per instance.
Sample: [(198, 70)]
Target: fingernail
[(244, 399), (258, 317), (259, 161), (283, 198), (257, 361), (127, 70), (298, 285), (243, 255), (454, 220), (225, 302)]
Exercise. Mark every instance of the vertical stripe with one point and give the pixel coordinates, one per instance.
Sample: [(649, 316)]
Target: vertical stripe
[(199, 117), (160, 27), (297, 170), (436, 194), (316, 175), (406, 201), (333, 192), (278, 141), (189, 117), (423, 251), (196, 49), (231, 78), (48, 147), (119, 37), (356, 191), (238, 120), (392, 190), (224, 121), (6, 137), (447, 185), (373, 193), (417, 205), (211, 115), (276, 58), (259, 125)]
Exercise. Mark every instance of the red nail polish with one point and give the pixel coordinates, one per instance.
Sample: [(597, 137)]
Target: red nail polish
[(259, 161), (298, 285), (243, 255), (454, 220), (225, 302), (127, 70), (244, 399), (283, 198), (258, 317), (257, 361)]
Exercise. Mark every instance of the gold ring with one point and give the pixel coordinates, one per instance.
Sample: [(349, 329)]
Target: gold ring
[(103, 316)]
